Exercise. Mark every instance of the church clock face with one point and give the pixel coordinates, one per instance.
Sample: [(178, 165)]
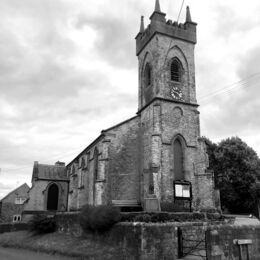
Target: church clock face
[(176, 93)]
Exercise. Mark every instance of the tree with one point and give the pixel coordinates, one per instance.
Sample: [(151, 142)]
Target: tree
[(236, 167)]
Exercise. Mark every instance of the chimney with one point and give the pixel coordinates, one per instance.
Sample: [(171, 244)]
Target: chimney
[(58, 163)]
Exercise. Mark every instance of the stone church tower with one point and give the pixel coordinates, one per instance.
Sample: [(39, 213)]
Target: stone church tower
[(174, 159), (157, 156)]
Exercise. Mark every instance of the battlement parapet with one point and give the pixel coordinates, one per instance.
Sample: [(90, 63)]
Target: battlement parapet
[(183, 31)]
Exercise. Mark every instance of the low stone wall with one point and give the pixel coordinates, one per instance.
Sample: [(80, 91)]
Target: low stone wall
[(233, 242), (138, 240), (13, 227), (155, 241)]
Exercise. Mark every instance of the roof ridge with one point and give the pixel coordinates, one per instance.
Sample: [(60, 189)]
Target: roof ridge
[(14, 191)]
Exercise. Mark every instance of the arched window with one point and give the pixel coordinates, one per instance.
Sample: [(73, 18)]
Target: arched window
[(147, 75), (95, 156), (53, 197), (178, 160), (176, 70)]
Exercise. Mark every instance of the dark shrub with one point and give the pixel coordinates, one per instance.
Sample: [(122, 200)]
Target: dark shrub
[(170, 217), (129, 216), (171, 207), (42, 224), (143, 218), (98, 218)]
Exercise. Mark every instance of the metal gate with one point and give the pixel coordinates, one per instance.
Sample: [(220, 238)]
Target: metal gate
[(188, 245)]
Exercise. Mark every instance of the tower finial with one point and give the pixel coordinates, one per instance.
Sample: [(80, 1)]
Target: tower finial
[(157, 6), (188, 16), (142, 24)]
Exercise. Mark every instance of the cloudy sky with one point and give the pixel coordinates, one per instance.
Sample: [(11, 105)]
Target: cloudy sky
[(68, 70)]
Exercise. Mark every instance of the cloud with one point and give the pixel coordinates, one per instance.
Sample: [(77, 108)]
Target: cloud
[(113, 43), (234, 109), (5, 189), (230, 20), (115, 32)]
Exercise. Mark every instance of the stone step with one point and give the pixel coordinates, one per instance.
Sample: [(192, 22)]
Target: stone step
[(200, 255)]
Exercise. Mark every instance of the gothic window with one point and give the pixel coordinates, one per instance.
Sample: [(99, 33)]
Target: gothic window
[(176, 70), (178, 160), (147, 75), (86, 160), (82, 162), (81, 180), (52, 197), (95, 164)]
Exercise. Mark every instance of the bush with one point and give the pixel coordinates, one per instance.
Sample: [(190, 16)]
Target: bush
[(143, 218), (160, 217), (98, 218), (42, 224), (172, 207)]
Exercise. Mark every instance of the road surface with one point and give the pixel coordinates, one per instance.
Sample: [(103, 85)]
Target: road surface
[(20, 254)]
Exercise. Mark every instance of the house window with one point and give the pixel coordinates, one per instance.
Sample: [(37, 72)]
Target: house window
[(147, 75), (176, 70), (19, 201), (17, 218)]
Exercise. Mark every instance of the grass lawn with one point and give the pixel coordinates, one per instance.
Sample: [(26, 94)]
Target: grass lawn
[(56, 243)]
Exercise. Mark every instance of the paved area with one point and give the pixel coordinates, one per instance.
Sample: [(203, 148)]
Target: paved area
[(244, 219), (247, 221), (20, 254)]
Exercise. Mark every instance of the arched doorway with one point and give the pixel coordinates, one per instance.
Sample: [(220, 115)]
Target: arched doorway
[(178, 160), (53, 197)]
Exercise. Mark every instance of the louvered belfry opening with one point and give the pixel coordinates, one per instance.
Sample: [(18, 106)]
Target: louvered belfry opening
[(178, 160), (53, 197), (175, 70)]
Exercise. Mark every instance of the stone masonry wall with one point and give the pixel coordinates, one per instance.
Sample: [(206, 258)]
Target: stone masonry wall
[(38, 196), (124, 160), (159, 53), (222, 242), (84, 188), (8, 206), (9, 210), (161, 122), (138, 240), (155, 241)]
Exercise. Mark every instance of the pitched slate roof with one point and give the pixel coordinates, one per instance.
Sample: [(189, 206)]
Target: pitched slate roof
[(25, 185), (49, 172)]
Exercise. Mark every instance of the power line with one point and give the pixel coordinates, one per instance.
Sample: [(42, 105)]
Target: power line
[(244, 83), (232, 86), (180, 11), (168, 49)]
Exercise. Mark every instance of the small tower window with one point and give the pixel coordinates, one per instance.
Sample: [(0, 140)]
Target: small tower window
[(175, 70), (147, 75)]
